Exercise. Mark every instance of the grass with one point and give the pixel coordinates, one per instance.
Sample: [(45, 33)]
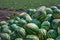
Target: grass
[(26, 4)]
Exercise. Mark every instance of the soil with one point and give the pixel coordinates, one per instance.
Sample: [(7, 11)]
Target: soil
[(5, 13)]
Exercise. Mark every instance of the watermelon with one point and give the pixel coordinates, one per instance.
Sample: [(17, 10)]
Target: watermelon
[(5, 36), (22, 23), (48, 17), (31, 28), (37, 22), (53, 7), (51, 34), (55, 23), (5, 30), (13, 35), (45, 25), (16, 21), (42, 34), (31, 11), (32, 37), (20, 32), (50, 39), (25, 16), (58, 6), (40, 13), (3, 23), (18, 39), (5, 26), (17, 18), (13, 27), (58, 38), (49, 11)]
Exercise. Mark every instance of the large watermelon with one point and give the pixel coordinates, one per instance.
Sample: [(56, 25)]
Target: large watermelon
[(32, 28)]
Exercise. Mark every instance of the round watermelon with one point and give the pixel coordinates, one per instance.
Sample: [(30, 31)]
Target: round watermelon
[(5, 36), (31, 28), (45, 25), (32, 37), (52, 34)]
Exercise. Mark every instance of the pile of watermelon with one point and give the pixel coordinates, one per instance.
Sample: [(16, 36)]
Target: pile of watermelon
[(42, 23)]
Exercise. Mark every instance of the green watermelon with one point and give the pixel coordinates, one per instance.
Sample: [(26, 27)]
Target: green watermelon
[(5, 36), (42, 34), (45, 25), (4, 26), (58, 38), (55, 23), (53, 7), (50, 39), (18, 39), (48, 17), (3, 23), (25, 16), (51, 34), (37, 22), (32, 37), (5, 30), (40, 13), (31, 11), (22, 23), (17, 18), (20, 32), (13, 26), (49, 11), (11, 21), (31, 28)]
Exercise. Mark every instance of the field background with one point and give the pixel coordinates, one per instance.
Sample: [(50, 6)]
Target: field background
[(25, 4)]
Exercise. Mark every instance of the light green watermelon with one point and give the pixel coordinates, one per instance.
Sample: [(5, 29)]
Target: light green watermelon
[(50, 39), (18, 39), (49, 11), (22, 23), (25, 16), (32, 37)]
